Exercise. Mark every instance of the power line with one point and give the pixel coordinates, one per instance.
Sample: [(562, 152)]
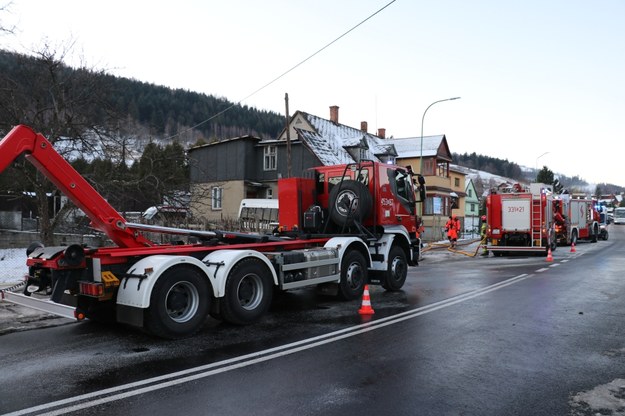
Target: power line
[(286, 72)]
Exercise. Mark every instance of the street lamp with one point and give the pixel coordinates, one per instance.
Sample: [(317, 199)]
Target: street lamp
[(422, 119), (537, 161)]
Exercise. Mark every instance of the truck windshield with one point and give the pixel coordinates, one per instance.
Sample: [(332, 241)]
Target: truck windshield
[(401, 184)]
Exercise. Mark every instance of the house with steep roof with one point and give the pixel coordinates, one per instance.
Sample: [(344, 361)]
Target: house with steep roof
[(471, 208), (225, 172), (445, 184)]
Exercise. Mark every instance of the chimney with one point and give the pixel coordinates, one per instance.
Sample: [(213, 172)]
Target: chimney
[(363, 126), (334, 114), (382, 133)]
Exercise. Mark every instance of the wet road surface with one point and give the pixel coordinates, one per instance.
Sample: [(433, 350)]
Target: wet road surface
[(467, 335)]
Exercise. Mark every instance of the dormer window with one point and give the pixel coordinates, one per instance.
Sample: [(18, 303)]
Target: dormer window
[(362, 154)]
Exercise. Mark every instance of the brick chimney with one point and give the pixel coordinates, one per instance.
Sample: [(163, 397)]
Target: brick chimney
[(363, 126), (334, 114), (382, 133)]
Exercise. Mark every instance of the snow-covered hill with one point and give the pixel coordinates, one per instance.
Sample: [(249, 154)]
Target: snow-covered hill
[(484, 181)]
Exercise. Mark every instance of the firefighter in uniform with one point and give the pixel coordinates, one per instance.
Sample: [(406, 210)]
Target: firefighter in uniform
[(483, 229), (452, 230)]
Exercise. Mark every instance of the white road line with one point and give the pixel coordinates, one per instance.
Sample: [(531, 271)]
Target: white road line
[(544, 269), (555, 265), (157, 383)]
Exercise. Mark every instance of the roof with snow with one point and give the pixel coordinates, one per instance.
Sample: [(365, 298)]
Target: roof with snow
[(410, 147), (331, 142)]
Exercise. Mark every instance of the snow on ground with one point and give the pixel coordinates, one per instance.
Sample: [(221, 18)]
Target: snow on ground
[(12, 265)]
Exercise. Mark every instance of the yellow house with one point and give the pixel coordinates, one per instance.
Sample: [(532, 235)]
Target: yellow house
[(445, 184)]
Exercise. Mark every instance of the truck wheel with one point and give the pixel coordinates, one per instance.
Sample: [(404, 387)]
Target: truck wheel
[(595, 234), (248, 292), (397, 270), (179, 303), (574, 237), (353, 275), (349, 201)]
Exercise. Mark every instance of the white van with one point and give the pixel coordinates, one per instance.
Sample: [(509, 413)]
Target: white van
[(619, 215)]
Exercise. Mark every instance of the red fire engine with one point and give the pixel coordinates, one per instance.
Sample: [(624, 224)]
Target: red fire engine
[(575, 219), (520, 220)]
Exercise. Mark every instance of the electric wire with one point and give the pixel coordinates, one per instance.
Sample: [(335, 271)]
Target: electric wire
[(285, 72)]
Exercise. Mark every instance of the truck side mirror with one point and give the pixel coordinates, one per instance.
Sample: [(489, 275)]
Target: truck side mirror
[(422, 188), (422, 193)]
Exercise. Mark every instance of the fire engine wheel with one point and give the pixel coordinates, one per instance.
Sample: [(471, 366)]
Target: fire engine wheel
[(179, 303), (397, 270), (349, 201), (353, 275), (249, 291), (595, 234), (574, 237)]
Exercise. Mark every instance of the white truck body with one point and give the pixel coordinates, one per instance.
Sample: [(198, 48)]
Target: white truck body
[(516, 214)]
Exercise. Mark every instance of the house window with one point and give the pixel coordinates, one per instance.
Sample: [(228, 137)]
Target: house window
[(436, 205), (443, 169), (270, 160), (472, 207), (362, 154), (469, 193), (456, 182), (429, 167), (269, 194), (216, 196)]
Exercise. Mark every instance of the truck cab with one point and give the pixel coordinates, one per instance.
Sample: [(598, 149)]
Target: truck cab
[(352, 198)]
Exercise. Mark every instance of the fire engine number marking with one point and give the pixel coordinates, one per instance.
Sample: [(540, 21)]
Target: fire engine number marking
[(386, 202), (516, 209)]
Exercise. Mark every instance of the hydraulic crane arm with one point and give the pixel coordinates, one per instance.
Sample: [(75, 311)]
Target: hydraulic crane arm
[(40, 152)]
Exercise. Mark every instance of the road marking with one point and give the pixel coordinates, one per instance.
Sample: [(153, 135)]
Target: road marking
[(555, 265), (544, 269), (124, 391)]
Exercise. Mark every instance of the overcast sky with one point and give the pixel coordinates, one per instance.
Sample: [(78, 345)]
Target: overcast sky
[(541, 81)]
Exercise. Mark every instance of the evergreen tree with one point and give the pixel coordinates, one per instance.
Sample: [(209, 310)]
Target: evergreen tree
[(545, 175)]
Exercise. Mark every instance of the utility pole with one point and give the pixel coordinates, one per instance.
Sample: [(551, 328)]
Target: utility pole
[(288, 137)]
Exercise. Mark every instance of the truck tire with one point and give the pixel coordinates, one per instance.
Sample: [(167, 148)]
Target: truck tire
[(346, 195), (353, 275), (574, 237), (395, 276), (595, 234), (249, 291), (179, 303)]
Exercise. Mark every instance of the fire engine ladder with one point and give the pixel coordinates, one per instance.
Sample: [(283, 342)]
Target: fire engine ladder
[(537, 222)]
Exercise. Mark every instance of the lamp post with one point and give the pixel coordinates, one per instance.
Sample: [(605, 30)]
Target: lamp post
[(537, 162), (422, 119)]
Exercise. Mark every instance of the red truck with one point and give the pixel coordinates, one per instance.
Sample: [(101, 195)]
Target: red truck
[(520, 220), (345, 226), (576, 219)]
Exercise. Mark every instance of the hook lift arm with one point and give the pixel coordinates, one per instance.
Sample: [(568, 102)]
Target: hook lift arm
[(40, 152)]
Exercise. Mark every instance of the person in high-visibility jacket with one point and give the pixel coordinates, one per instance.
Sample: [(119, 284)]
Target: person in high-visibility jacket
[(452, 230), (483, 230)]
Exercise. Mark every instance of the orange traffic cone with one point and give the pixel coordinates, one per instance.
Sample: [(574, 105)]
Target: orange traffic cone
[(573, 248), (549, 256), (366, 308)]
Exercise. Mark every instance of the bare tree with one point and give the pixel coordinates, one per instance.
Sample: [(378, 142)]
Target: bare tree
[(68, 106), (4, 29)]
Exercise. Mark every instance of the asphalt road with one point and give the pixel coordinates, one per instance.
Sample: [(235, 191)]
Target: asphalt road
[(467, 335)]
